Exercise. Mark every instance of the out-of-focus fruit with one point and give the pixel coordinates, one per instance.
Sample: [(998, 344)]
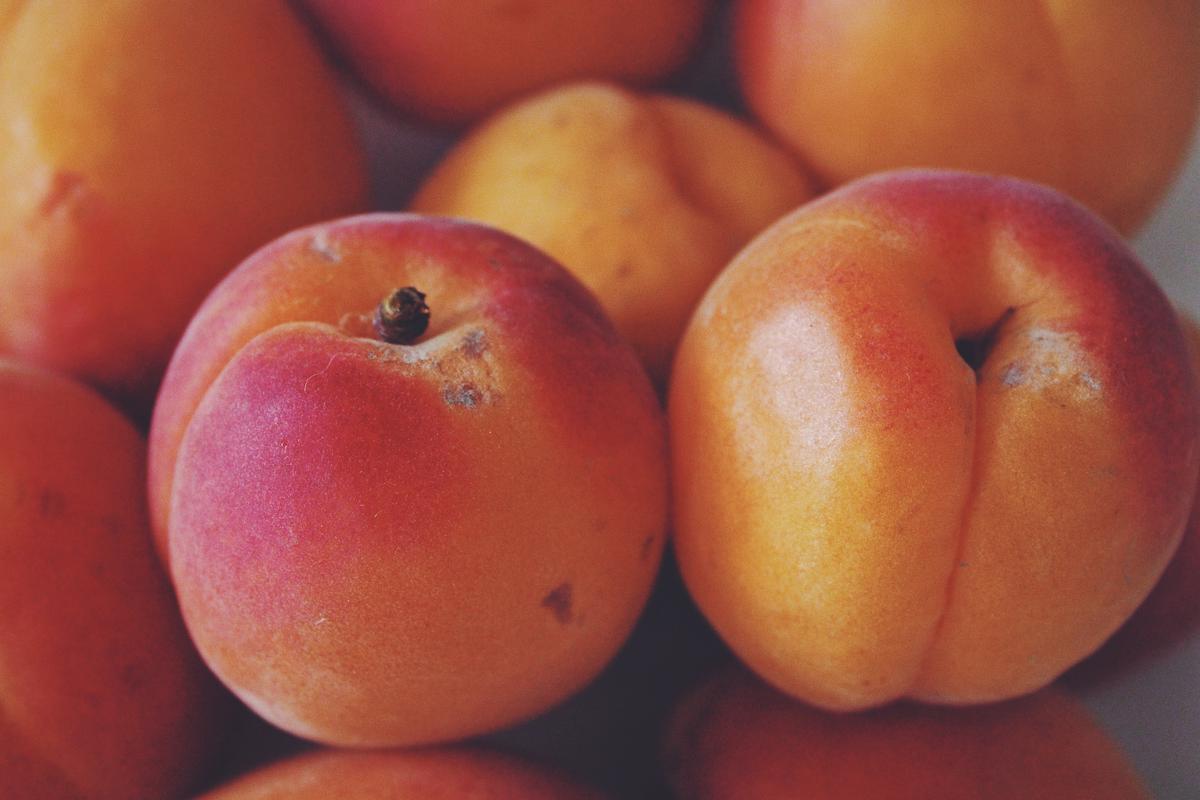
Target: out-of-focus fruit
[(146, 149), (384, 536), (454, 62), (933, 435), (734, 737), (643, 198), (1095, 98), (427, 774), (101, 693)]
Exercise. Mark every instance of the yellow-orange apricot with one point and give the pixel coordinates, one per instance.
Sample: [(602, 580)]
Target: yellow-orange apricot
[(146, 149), (101, 693), (454, 62), (425, 774), (643, 197), (933, 435), (1095, 98), (733, 737)]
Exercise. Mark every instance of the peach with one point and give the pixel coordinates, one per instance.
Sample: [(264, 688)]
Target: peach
[(147, 149), (1097, 99), (450, 63), (933, 435), (733, 737), (101, 693), (385, 535), (461, 773), (643, 197), (1172, 611)]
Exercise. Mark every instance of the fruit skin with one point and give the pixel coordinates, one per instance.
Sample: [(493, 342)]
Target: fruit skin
[(380, 544), (734, 737), (135, 177), (1097, 99), (103, 695), (859, 514), (1172, 611), (504, 48), (643, 197), (463, 773)]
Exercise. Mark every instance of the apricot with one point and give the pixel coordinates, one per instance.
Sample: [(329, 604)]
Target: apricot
[(101, 693), (147, 149), (386, 534), (643, 197), (933, 435), (1172, 611), (451, 63), (428, 774), (733, 737), (1094, 98)]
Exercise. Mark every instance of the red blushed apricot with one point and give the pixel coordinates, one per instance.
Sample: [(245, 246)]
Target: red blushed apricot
[(734, 737), (101, 693), (1094, 98), (454, 62), (933, 436), (643, 197), (1172, 611), (383, 540), (429, 774), (134, 177)]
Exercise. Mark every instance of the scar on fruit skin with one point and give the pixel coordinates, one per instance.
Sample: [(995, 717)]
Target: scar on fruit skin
[(465, 395), (474, 344), (559, 603)]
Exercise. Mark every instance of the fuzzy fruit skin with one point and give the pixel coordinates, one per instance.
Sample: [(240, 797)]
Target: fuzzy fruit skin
[(859, 514), (734, 737), (503, 49), (1094, 98), (135, 177), (1172, 611), (101, 693), (462, 773), (379, 544), (643, 197)]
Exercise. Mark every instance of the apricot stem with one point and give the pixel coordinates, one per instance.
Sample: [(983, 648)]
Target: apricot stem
[(402, 316)]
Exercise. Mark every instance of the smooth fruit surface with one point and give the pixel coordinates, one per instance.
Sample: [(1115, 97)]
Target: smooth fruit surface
[(734, 737), (453, 62), (642, 197), (429, 774), (147, 149), (384, 544), (1097, 99), (933, 435), (101, 693)]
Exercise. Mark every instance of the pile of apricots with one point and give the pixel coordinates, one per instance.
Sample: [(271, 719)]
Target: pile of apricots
[(565, 399)]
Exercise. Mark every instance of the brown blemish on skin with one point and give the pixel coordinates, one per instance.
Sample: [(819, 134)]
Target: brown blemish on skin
[(465, 395), (51, 503), (474, 344), (63, 186), (559, 603)]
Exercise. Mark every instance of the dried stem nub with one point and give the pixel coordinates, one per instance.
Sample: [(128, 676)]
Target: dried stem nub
[(402, 316)]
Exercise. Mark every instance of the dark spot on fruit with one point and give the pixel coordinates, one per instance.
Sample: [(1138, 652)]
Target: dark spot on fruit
[(51, 503), (647, 547), (465, 395), (133, 677), (559, 603), (474, 344)]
